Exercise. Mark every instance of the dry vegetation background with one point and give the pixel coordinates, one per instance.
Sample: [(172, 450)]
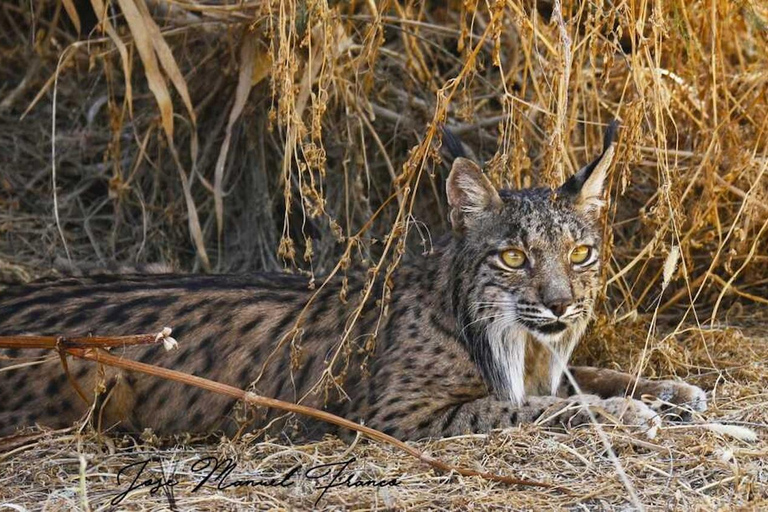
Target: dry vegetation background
[(271, 134)]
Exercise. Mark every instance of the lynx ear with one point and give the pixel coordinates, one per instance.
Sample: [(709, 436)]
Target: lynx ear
[(586, 186), (469, 192)]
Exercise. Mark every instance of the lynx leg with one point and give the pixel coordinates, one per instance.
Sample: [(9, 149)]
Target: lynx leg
[(485, 414), (684, 398)]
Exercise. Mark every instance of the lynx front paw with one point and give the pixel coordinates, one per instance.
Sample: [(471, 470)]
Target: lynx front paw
[(626, 411), (674, 398), (633, 412)]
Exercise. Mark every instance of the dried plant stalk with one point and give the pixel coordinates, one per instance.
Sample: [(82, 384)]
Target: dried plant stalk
[(92, 349)]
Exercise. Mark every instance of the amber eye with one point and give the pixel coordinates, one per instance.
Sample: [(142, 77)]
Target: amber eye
[(581, 254), (513, 258)]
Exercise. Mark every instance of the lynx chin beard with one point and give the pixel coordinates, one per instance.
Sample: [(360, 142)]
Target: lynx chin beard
[(507, 340)]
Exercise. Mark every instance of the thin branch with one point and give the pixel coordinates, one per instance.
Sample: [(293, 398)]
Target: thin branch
[(88, 348)]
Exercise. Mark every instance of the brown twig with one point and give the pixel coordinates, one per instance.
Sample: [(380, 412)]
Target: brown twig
[(63, 343), (88, 348)]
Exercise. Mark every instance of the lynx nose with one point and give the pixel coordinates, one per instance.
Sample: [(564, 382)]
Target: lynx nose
[(558, 306)]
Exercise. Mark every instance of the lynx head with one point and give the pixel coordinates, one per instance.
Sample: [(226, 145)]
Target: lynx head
[(530, 263)]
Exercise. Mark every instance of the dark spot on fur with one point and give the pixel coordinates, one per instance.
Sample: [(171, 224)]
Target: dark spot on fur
[(24, 401), (118, 315), (187, 309), (206, 318), (52, 388), (210, 360), (393, 400), (245, 376), (22, 380), (249, 326), (474, 422), (451, 416), (394, 415), (151, 319), (151, 353), (76, 320), (193, 397), (151, 391), (424, 424), (182, 357), (197, 418), (304, 373)]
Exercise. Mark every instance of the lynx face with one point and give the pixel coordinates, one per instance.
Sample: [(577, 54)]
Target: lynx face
[(538, 264), (530, 263)]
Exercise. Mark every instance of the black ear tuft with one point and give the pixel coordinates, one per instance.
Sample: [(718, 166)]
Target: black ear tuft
[(586, 186), (452, 143), (610, 134)]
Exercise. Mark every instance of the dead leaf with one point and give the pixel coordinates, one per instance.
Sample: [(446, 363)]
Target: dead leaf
[(244, 84), (147, 39), (167, 60), (155, 80)]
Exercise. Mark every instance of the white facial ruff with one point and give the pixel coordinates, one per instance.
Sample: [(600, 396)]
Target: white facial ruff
[(507, 341), (560, 348)]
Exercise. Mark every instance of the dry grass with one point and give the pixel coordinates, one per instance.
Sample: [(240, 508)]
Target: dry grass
[(185, 131), (684, 468)]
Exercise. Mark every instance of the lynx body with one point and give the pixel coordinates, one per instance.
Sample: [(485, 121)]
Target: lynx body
[(477, 336)]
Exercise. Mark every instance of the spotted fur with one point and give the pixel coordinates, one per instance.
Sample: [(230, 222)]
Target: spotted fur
[(467, 345)]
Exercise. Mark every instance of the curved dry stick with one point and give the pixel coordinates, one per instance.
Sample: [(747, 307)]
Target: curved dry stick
[(254, 399), (88, 348), (62, 342)]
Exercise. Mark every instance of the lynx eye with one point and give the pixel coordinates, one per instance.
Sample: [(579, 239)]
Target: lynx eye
[(581, 254), (513, 258)]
